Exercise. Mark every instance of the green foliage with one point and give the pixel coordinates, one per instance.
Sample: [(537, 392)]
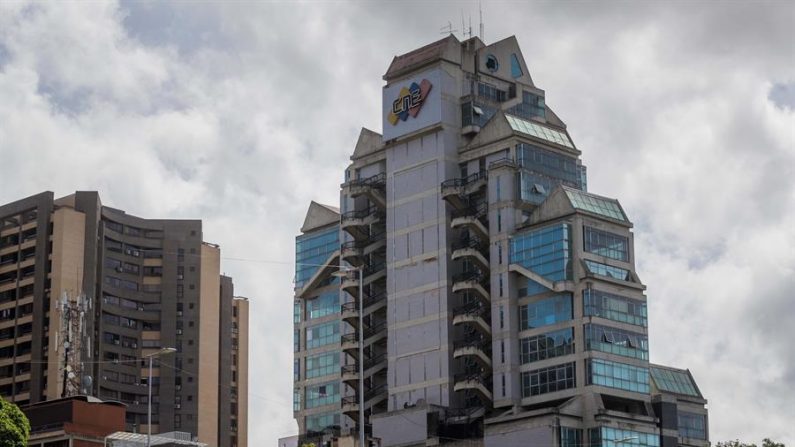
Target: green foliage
[(14, 426), (736, 443)]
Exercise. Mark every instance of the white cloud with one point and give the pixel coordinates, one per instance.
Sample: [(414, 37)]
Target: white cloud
[(241, 114)]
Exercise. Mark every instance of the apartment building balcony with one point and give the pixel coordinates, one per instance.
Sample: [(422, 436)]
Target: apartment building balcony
[(372, 397), (474, 382), (372, 273), (474, 314), (372, 366), (350, 310), (357, 222), (478, 350), (472, 218), (456, 191), (355, 252), (473, 282), (349, 343), (473, 250), (374, 188)]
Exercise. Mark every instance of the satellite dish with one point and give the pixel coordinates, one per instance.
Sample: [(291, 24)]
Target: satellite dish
[(87, 381), (66, 344), (68, 368), (71, 375)]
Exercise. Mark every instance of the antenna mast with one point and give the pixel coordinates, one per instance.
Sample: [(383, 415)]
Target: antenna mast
[(482, 34), (72, 315)]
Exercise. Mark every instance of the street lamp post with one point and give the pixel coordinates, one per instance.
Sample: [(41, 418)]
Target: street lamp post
[(151, 356)]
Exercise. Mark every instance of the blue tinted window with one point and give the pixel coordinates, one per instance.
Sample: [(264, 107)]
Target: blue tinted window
[(322, 365), (544, 312), (692, 425), (322, 394), (616, 437), (608, 270), (516, 67), (325, 304), (323, 334), (614, 307), (546, 346), (606, 244), (616, 341), (617, 375), (678, 382), (542, 170), (311, 250), (546, 251), (531, 105), (318, 422), (548, 380), (570, 437)]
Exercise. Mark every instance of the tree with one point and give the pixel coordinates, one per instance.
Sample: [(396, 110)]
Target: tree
[(14, 426), (736, 443)]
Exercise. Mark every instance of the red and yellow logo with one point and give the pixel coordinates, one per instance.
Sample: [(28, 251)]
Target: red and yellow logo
[(409, 101)]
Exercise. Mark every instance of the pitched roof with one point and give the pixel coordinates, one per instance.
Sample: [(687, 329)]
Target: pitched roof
[(419, 57), (319, 215), (674, 380), (369, 142)]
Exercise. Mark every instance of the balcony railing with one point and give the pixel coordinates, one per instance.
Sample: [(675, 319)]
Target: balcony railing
[(474, 308), (359, 214), (465, 181), (378, 180), (477, 211)]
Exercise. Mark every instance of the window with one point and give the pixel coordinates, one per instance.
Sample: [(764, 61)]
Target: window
[(616, 437), (311, 250), (491, 93), (617, 375), (570, 437), (546, 346), (319, 422), (296, 340), (608, 270), (492, 64), (674, 381), (692, 425), (616, 341), (546, 251), (606, 244), (323, 394), (325, 304), (614, 307), (321, 335), (322, 365), (547, 311), (548, 380), (121, 283), (296, 369), (296, 399)]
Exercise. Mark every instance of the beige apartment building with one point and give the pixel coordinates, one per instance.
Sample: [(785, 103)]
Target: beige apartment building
[(87, 292)]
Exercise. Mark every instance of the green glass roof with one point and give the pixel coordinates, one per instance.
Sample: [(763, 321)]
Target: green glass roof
[(673, 381), (595, 204), (539, 131)]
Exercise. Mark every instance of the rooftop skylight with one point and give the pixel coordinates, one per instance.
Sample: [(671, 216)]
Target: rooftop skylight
[(539, 131), (595, 204)]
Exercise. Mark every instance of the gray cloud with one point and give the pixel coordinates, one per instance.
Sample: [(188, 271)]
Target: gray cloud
[(241, 113)]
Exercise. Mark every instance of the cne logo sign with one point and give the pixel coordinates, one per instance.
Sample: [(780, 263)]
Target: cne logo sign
[(409, 101)]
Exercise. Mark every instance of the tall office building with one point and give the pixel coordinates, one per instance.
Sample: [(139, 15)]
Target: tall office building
[(88, 291), (500, 299)]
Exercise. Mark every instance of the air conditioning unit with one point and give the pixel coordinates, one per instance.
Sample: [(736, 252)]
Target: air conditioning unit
[(179, 331), (177, 406), (119, 269), (116, 342)]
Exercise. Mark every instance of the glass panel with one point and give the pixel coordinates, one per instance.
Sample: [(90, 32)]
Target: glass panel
[(323, 334), (546, 346), (546, 251), (614, 307), (544, 312), (618, 375), (516, 67), (548, 380), (606, 244), (322, 365), (616, 341), (692, 425), (678, 382), (539, 131), (608, 270), (595, 204), (325, 304), (322, 394), (311, 250)]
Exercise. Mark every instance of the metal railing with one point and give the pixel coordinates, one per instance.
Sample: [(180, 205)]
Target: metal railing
[(359, 214), (476, 211), (470, 242), (362, 244), (507, 161), (378, 180), (465, 181), (474, 308), (469, 276), (368, 301)]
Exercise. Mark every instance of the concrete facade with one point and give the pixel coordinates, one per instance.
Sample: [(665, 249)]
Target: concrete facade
[(141, 285), (501, 293)]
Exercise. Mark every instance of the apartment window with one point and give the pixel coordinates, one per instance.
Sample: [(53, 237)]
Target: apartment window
[(322, 365), (499, 252), (296, 340), (548, 380), (546, 311), (502, 379), (546, 346), (692, 425), (323, 334), (180, 273), (499, 195), (297, 311), (606, 244), (325, 304), (115, 226), (499, 221), (323, 394), (611, 437), (502, 316), (617, 375), (319, 422), (296, 369), (614, 307), (502, 351), (616, 341), (121, 283), (501, 284), (608, 271), (180, 291)]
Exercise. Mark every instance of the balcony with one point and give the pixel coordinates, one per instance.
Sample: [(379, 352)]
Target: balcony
[(372, 366), (474, 382), (372, 397), (475, 314), (478, 350), (350, 342), (374, 188), (357, 222), (473, 282), (371, 273), (472, 218), (350, 311), (473, 250), (455, 191), (354, 252)]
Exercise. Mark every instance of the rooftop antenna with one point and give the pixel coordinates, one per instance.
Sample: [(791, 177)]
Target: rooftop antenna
[(482, 34), (447, 29), (466, 32)]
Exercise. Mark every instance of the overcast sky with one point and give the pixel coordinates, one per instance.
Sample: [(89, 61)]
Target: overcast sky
[(241, 113)]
